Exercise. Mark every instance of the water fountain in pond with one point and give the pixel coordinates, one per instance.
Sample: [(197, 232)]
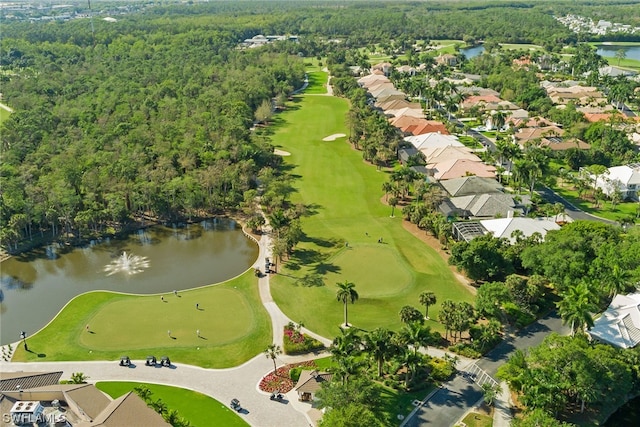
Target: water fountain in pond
[(127, 264)]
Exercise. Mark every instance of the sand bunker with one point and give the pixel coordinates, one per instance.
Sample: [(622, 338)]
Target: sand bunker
[(281, 153), (334, 137)]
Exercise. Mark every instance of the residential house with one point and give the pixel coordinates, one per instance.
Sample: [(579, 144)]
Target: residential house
[(487, 103), (508, 228), (471, 185), (407, 69), (406, 111), (487, 205), (446, 59), (373, 79), (433, 140), (418, 126), (613, 71), (619, 325), (548, 136), (624, 178), (442, 154), (458, 168), (310, 383), (385, 67), (581, 96)]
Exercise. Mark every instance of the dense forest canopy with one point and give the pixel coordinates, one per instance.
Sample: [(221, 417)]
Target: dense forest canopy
[(150, 114)]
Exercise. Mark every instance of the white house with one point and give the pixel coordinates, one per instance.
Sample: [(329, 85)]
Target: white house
[(504, 227), (619, 325), (624, 178)]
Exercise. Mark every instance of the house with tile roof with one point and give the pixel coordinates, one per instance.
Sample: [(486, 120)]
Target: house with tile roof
[(548, 136), (433, 140), (457, 168), (443, 154), (619, 325)]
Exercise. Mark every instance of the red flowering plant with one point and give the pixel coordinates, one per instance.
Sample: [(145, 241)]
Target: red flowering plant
[(296, 342), (280, 381)]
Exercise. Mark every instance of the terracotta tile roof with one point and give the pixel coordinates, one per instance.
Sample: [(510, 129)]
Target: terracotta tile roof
[(128, 410)]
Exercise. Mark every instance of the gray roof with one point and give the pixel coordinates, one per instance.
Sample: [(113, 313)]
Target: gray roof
[(471, 185), (9, 381), (486, 205)]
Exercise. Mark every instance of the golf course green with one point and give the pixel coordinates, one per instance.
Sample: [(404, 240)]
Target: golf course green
[(342, 232), (233, 326)]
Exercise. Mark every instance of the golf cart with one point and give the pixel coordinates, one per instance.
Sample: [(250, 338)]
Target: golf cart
[(235, 405)]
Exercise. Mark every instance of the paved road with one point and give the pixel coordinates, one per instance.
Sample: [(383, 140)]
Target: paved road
[(450, 403), (570, 210)]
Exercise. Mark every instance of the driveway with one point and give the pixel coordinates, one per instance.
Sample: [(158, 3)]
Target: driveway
[(458, 396), (570, 210)]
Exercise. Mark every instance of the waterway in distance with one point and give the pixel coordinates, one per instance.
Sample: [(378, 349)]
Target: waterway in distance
[(37, 284)]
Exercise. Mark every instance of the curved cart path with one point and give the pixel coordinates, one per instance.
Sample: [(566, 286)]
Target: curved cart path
[(240, 382)]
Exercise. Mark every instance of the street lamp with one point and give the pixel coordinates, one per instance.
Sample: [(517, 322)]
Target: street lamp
[(23, 335)]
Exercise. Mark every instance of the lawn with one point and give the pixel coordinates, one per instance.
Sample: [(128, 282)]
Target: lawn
[(622, 210), (344, 196), (232, 322), (4, 114), (475, 419), (521, 46), (317, 82), (197, 408)]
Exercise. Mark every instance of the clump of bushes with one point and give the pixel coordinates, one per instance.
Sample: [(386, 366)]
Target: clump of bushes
[(466, 350), (295, 342)]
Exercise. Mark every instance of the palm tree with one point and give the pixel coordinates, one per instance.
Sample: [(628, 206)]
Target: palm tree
[(415, 335), (346, 344), (379, 345), (576, 307), (143, 392), (78, 378), (346, 368), (172, 417), (617, 280), (346, 292), (427, 299), (159, 406), (272, 352), (409, 314)]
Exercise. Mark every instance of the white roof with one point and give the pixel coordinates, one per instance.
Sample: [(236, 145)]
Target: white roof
[(406, 111), (627, 175), (433, 140), (619, 325), (503, 227)]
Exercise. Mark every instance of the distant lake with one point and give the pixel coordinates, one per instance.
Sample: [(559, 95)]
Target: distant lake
[(609, 51), (472, 52)]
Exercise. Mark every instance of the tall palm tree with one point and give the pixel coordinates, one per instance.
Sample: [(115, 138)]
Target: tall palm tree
[(415, 335), (346, 368), (427, 299), (272, 352), (576, 307), (346, 293), (380, 346), (348, 343), (617, 280)]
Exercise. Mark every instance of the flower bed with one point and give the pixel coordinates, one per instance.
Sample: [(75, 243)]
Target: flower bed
[(295, 342), (279, 381)]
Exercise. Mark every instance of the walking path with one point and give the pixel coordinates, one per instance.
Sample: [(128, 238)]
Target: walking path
[(240, 382)]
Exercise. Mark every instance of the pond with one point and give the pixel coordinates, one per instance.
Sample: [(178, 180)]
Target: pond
[(609, 51), (472, 52), (37, 284)]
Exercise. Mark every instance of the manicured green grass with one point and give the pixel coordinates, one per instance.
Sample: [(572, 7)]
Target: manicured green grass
[(314, 64), (197, 408), (622, 210), (4, 114), (475, 419), (395, 403), (344, 195), (317, 83), (233, 326)]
